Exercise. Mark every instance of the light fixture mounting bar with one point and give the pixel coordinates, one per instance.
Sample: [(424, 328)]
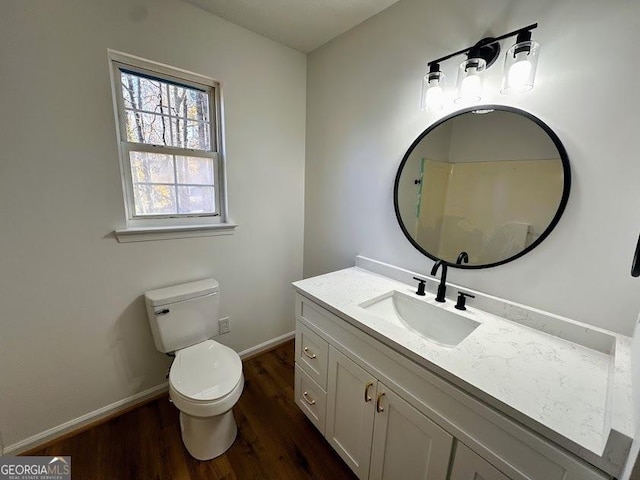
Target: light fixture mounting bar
[(482, 44)]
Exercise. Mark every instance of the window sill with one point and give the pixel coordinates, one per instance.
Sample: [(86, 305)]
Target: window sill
[(141, 234)]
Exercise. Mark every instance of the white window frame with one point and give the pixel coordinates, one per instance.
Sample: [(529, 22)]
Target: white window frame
[(154, 227)]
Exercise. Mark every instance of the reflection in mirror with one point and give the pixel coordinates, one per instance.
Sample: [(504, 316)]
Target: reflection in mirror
[(489, 183)]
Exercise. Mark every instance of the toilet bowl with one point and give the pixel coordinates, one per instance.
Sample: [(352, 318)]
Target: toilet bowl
[(205, 382), (205, 379)]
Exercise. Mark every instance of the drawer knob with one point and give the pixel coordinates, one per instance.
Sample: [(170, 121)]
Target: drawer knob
[(379, 407), (308, 354), (308, 399)]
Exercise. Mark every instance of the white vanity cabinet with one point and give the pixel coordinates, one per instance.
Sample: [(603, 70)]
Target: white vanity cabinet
[(376, 432), (406, 444), (391, 418), (351, 394)]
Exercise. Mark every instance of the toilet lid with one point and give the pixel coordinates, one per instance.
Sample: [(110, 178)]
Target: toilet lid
[(205, 371)]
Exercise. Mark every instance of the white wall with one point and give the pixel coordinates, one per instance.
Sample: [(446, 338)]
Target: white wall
[(74, 335), (362, 115), (498, 136)]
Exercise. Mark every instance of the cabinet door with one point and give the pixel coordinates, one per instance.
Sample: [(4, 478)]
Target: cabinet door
[(350, 409), (406, 444), (468, 465)]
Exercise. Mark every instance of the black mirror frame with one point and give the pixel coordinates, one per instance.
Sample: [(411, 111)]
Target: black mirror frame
[(563, 201), (635, 263)]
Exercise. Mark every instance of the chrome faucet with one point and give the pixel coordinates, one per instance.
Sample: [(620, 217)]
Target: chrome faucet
[(442, 288)]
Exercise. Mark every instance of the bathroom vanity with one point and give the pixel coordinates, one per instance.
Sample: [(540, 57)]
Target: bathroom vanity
[(500, 391)]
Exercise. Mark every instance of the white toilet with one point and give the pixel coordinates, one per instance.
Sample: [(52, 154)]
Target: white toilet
[(205, 380)]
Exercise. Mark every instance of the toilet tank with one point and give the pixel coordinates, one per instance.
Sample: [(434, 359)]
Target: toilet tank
[(183, 315)]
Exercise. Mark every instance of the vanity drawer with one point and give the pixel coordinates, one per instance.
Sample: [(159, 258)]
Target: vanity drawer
[(469, 465), (310, 398), (312, 354)]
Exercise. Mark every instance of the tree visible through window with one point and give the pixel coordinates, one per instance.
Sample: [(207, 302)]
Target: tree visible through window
[(169, 141)]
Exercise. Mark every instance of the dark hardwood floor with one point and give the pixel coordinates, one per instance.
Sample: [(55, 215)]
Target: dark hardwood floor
[(275, 440)]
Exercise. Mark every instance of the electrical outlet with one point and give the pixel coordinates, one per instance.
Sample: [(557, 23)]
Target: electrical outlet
[(223, 325)]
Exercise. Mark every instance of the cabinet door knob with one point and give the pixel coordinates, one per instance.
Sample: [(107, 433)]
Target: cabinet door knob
[(367, 398), (310, 355), (379, 408), (308, 399)]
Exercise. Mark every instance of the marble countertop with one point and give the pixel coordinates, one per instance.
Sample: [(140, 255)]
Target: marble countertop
[(575, 392)]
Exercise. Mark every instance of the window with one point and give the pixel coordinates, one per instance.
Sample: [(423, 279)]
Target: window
[(170, 134)]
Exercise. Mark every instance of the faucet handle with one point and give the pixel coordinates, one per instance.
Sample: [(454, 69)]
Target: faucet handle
[(421, 285), (462, 298)]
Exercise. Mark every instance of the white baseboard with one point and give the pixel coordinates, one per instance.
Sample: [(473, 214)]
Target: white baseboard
[(77, 423), (268, 345)]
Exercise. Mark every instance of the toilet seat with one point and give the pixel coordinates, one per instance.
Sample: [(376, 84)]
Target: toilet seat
[(203, 409), (206, 379)]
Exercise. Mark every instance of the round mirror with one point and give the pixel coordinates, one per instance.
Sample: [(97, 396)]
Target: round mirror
[(482, 187)]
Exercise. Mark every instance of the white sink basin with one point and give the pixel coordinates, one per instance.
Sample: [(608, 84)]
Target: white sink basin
[(429, 320)]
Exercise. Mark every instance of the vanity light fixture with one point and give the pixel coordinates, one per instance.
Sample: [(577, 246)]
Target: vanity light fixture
[(520, 64), (519, 70), (470, 81), (432, 94)]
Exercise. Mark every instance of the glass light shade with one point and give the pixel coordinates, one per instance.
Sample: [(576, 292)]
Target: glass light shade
[(470, 81), (520, 67), (432, 94)]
